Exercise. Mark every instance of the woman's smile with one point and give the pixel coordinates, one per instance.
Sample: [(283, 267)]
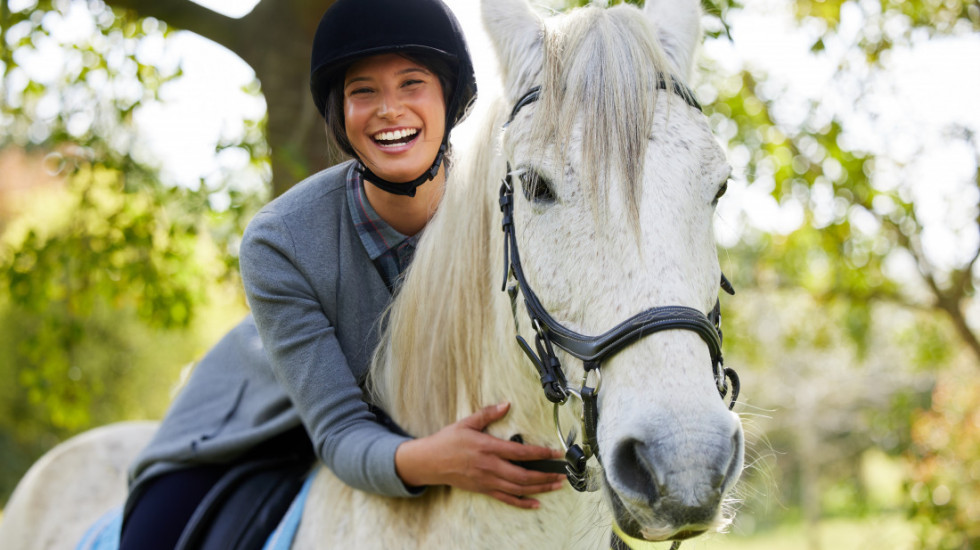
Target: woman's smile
[(393, 137)]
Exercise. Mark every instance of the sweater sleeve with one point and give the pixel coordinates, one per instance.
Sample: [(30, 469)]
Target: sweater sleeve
[(308, 361)]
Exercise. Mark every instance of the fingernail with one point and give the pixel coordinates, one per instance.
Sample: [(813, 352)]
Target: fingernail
[(502, 406)]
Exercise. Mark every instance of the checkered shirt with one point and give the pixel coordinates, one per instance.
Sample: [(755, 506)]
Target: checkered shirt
[(390, 251)]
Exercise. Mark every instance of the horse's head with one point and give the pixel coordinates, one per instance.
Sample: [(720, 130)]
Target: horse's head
[(616, 176)]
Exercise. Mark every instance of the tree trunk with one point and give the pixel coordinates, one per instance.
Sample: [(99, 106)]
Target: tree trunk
[(275, 40)]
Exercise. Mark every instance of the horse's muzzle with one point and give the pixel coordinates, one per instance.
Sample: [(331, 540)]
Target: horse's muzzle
[(663, 491)]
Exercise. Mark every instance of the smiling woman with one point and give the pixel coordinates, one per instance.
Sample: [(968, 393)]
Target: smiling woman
[(394, 122)]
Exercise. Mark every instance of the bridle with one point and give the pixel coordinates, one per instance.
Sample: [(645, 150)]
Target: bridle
[(594, 350)]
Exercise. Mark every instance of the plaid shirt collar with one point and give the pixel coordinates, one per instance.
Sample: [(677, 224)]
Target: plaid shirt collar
[(390, 251)]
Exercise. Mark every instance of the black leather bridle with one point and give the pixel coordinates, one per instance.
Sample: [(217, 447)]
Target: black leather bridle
[(594, 350)]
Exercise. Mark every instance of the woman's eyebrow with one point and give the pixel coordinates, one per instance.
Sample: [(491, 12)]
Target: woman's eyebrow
[(413, 70), (401, 72), (356, 79)]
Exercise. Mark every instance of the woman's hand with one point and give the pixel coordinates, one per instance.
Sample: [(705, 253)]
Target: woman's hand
[(463, 456)]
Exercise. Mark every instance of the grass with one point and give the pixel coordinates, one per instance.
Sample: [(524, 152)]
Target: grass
[(884, 532)]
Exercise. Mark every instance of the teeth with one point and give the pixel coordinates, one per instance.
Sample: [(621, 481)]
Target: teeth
[(397, 134)]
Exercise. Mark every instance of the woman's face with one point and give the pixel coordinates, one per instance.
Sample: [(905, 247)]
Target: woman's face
[(394, 114)]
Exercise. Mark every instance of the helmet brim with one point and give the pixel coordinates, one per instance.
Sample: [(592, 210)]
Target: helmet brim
[(329, 74)]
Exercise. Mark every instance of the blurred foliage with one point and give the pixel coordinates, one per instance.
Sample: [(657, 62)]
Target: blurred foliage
[(814, 404), (107, 284), (853, 222), (849, 389), (945, 453)]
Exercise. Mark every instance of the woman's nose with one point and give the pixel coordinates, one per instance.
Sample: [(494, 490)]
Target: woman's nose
[(390, 107)]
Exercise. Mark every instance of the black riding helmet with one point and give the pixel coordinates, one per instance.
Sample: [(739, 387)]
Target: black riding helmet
[(352, 29)]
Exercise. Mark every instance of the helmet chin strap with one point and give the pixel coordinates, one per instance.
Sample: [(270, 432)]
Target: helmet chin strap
[(406, 188)]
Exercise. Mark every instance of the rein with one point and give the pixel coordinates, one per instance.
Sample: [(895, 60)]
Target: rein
[(594, 350)]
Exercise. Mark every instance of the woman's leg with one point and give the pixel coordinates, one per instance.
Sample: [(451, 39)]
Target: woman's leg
[(166, 504)]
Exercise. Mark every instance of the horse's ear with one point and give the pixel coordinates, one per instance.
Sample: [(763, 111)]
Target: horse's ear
[(517, 34), (678, 24)]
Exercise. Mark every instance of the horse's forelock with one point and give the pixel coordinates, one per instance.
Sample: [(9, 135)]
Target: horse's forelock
[(601, 72)]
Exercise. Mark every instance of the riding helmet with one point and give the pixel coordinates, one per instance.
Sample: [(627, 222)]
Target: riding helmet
[(352, 29)]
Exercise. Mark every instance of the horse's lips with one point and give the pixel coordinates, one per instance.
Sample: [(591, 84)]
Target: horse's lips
[(631, 528)]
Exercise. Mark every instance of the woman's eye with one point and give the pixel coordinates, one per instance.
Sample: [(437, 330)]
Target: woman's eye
[(721, 192), (536, 187)]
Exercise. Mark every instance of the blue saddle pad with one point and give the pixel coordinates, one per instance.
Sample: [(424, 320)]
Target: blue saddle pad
[(282, 537), (105, 532)]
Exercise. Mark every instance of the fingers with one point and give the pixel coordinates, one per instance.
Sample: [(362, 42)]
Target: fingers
[(485, 416), (509, 450), (515, 475), (519, 452), (487, 461), (515, 495), (516, 481), (517, 490)]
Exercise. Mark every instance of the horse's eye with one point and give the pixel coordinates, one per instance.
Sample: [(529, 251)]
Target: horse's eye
[(721, 192), (536, 187)]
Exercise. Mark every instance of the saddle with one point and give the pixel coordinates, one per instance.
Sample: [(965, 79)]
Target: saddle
[(245, 506)]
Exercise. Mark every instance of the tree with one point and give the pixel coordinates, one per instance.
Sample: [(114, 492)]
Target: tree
[(274, 39), (858, 247), (859, 213), (103, 282)]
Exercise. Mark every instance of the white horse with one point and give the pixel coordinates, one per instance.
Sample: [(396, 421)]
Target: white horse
[(617, 175)]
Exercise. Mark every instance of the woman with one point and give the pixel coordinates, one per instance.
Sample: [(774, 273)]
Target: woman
[(391, 79)]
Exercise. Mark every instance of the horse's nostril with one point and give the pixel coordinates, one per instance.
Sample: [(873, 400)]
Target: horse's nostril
[(635, 472), (734, 470)]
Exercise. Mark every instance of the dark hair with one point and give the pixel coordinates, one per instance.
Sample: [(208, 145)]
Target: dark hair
[(334, 115)]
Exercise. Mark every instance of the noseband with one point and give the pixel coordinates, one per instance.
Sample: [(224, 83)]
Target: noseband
[(594, 350)]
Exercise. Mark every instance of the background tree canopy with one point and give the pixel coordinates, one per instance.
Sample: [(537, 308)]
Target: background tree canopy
[(856, 266)]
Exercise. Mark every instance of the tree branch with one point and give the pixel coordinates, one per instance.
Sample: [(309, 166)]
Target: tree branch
[(186, 15), (946, 301)]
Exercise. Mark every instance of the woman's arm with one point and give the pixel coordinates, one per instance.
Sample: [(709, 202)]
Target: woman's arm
[(307, 359)]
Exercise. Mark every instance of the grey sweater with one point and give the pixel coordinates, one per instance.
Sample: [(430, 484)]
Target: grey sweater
[(317, 300)]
